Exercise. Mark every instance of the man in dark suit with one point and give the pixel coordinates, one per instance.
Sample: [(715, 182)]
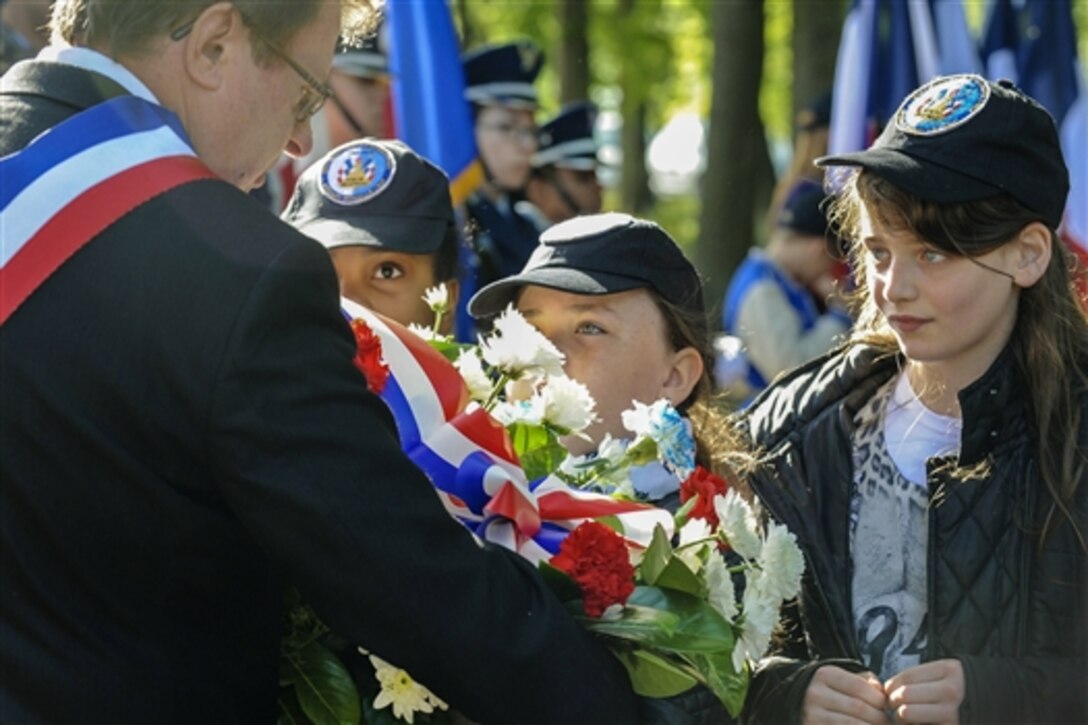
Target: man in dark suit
[(183, 430)]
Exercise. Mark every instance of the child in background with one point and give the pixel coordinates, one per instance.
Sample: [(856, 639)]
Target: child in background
[(934, 470), (385, 215), (777, 304)]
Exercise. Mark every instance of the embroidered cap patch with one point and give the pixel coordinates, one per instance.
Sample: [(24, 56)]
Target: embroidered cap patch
[(942, 105), (357, 174)]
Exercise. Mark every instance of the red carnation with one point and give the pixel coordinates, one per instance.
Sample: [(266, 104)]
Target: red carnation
[(368, 357), (706, 486), (596, 558)]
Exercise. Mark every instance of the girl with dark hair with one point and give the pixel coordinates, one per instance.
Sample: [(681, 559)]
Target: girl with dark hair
[(933, 469)]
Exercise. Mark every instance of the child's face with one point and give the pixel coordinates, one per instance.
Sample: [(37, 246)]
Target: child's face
[(506, 138), (388, 282), (614, 344), (948, 312)]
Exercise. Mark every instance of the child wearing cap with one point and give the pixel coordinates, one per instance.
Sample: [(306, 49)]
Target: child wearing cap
[(934, 470), (563, 183), (499, 88), (771, 305), (618, 298), (385, 215)]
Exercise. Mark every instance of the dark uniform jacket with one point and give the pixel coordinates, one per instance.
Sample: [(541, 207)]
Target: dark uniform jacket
[(1013, 612), (183, 431)]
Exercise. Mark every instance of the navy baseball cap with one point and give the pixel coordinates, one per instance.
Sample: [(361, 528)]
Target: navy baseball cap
[(802, 211), (600, 254), (503, 75), (374, 193), (567, 140), (963, 138)]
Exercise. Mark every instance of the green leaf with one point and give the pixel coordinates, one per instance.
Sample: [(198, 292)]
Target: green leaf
[(671, 621), (682, 513), (323, 686), (654, 676), (730, 686), (538, 449), (288, 711), (656, 557), (644, 625), (679, 576), (449, 349)]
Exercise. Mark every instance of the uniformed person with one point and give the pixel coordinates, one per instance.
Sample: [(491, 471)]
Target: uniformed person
[(563, 183)]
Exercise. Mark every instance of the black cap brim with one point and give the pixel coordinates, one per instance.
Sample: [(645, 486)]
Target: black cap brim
[(925, 179), (493, 299), (412, 235)]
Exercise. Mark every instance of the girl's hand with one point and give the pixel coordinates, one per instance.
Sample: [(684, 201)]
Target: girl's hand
[(837, 696), (929, 693)]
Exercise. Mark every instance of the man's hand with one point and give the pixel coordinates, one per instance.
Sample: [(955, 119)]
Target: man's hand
[(929, 693), (837, 696)]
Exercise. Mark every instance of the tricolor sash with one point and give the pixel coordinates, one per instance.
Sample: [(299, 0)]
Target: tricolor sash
[(469, 458), (79, 177)]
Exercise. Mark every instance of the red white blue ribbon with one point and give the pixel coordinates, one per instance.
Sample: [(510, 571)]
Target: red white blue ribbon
[(76, 179), (470, 460)]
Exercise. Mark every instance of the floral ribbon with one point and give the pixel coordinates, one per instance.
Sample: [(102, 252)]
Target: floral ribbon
[(470, 459)]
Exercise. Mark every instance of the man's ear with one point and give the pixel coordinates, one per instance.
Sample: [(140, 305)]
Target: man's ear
[(217, 32), (684, 375), (1034, 247)]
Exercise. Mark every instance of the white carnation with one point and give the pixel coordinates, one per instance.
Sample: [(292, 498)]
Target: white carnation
[(517, 348), (470, 366), (782, 564), (739, 523), (568, 405), (529, 412), (760, 616), (722, 595)]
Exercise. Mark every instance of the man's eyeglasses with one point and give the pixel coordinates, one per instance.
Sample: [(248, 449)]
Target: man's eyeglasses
[(314, 93)]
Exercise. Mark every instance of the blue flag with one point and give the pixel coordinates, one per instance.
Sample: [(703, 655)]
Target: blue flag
[(430, 113), (1033, 43)]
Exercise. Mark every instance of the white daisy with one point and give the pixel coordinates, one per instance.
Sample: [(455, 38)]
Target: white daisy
[(437, 298)]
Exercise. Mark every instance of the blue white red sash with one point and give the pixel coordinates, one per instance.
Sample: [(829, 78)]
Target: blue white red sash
[(469, 457), (77, 179)]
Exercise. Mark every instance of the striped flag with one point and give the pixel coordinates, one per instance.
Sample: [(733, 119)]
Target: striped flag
[(471, 461), (1033, 43), (889, 48)]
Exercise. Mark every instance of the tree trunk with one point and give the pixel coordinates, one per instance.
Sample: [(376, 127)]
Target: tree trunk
[(817, 25), (572, 59), (736, 148), (635, 196)]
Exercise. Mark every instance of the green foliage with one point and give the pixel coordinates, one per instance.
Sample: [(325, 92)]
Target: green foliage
[(539, 451), (319, 683)]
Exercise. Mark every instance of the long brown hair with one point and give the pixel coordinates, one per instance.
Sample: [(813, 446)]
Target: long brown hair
[(719, 445), (1049, 341)]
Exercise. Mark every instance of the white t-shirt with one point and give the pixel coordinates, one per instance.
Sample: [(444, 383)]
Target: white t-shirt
[(913, 433)]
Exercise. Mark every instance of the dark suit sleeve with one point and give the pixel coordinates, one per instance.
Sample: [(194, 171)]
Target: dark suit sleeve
[(309, 462)]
